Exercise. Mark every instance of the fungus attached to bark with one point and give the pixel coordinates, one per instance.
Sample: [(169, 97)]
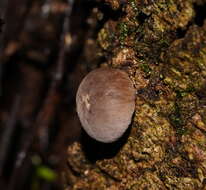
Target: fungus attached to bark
[(105, 104)]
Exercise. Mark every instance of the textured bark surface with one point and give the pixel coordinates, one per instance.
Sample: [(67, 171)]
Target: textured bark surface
[(162, 45)]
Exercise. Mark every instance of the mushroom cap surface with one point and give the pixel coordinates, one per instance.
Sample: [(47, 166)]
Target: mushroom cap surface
[(105, 103)]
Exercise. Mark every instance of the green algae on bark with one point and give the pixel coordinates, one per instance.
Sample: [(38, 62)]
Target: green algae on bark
[(166, 145)]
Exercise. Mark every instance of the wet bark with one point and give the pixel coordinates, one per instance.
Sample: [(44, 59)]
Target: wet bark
[(162, 46)]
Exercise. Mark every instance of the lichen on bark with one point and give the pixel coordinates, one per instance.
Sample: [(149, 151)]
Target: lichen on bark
[(164, 52)]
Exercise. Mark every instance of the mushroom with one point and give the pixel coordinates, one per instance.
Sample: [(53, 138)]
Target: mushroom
[(105, 104)]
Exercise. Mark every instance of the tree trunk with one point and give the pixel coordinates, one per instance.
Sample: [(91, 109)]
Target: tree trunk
[(162, 46)]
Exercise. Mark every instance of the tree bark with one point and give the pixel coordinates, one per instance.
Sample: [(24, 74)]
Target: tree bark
[(162, 46)]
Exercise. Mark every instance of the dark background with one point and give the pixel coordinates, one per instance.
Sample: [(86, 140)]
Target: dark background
[(46, 47)]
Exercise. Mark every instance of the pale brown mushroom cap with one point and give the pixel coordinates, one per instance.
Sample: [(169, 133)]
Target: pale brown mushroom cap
[(105, 103)]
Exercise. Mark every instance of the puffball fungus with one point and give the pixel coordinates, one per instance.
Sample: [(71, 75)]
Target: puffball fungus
[(105, 103)]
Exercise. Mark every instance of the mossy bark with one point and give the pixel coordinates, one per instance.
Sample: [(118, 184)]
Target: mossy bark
[(162, 46)]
